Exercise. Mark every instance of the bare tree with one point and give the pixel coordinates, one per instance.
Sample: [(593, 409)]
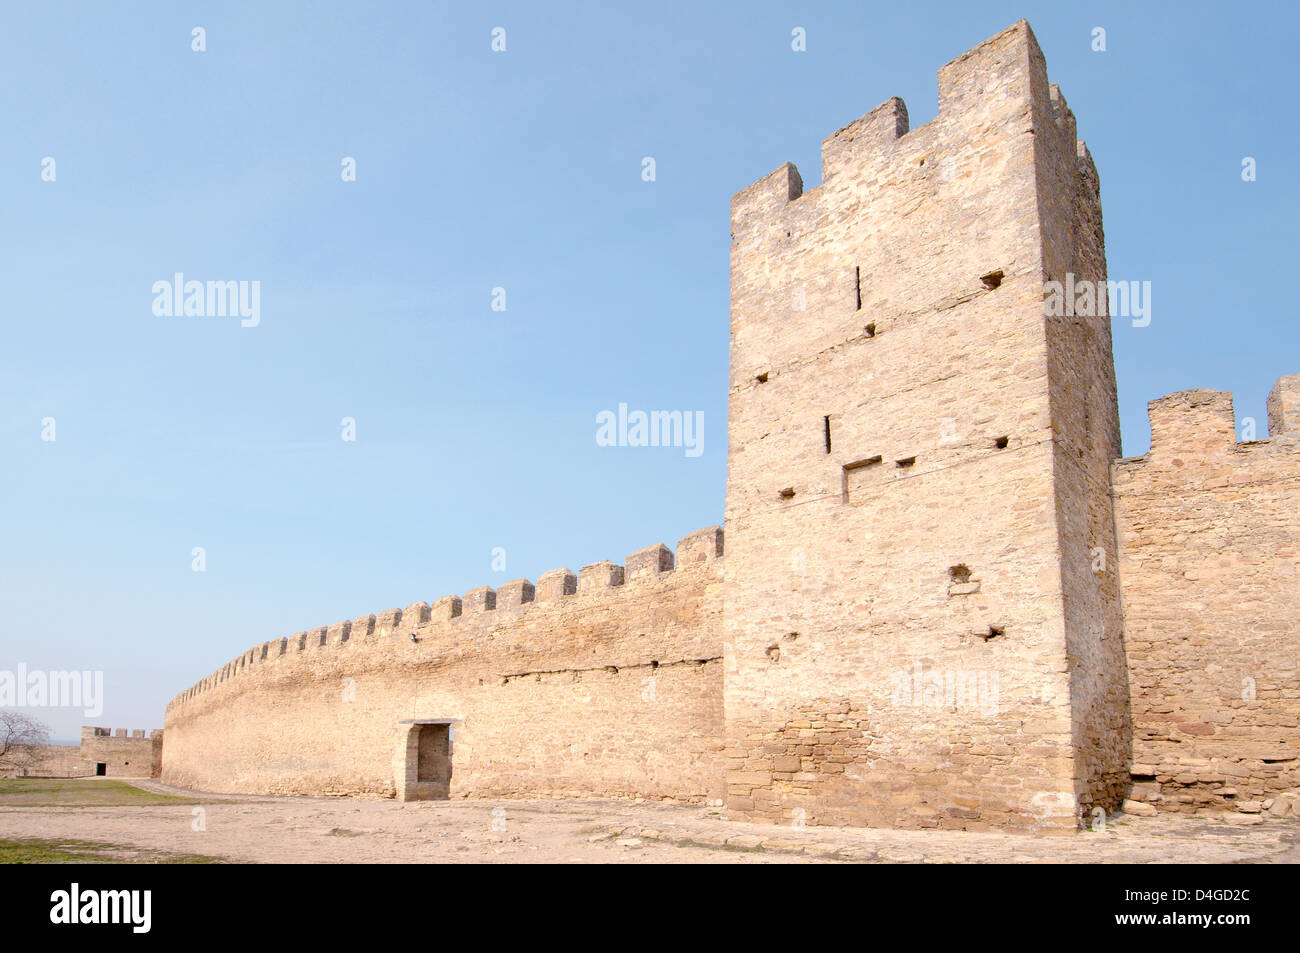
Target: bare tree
[(23, 742)]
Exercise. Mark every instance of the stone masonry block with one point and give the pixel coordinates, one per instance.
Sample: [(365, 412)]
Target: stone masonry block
[(515, 593), (482, 599), (599, 575), (649, 562), (555, 584)]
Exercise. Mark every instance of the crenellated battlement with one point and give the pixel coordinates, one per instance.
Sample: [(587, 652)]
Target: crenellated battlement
[(872, 153), (1201, 425), (90, 732), (555, 589), (916, 230)]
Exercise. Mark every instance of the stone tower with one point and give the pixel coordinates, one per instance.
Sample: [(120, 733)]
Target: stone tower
[(921, 613)]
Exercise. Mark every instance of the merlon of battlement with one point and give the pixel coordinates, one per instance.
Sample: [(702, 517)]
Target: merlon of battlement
[(1284, 407), (1192, 421), (387, 622), (846, 148), (701, 546), (554, 584), (599, 575), (1006, 59), (1062, 114), (445, 607), (515, 593), (648, 562), (417, 613), (479, 600), (770, 193)]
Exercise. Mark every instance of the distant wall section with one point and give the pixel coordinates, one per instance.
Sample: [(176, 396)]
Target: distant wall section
[(125, 754), (1209, 533)]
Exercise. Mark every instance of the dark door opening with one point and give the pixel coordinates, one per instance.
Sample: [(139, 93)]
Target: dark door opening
[(101, 769), (433, 763), (425, 771)]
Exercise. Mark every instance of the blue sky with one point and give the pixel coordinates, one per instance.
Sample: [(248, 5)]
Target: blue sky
[(475, 428)]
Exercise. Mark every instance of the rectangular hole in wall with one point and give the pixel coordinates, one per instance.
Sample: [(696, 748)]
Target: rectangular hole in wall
[(1000, 442), (827, 424), (857, 285), (857, 475), (992, 279), (869, 330), (428, 766), (904, 463), (787, 493), (761, 378)]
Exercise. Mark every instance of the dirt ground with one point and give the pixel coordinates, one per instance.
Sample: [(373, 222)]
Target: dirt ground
[(353, 830)]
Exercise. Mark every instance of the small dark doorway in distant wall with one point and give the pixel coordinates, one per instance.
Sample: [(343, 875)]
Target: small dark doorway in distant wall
[(101, 769)]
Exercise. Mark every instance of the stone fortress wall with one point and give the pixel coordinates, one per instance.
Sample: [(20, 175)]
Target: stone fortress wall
[(51, 761), (125, 753), (604, 683), (1210, 560), (133, 754), (945, 602)]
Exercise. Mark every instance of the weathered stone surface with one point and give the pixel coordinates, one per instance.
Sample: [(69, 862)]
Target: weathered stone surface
[(600, 693), (136, 753), (515, 593), (555, 584), (1210, 564), (947, 452)]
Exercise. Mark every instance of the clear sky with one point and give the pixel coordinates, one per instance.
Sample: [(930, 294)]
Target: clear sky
[(475, 428)]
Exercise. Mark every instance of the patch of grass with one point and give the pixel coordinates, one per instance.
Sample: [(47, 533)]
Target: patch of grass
[(38, 850), (73, 792)]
